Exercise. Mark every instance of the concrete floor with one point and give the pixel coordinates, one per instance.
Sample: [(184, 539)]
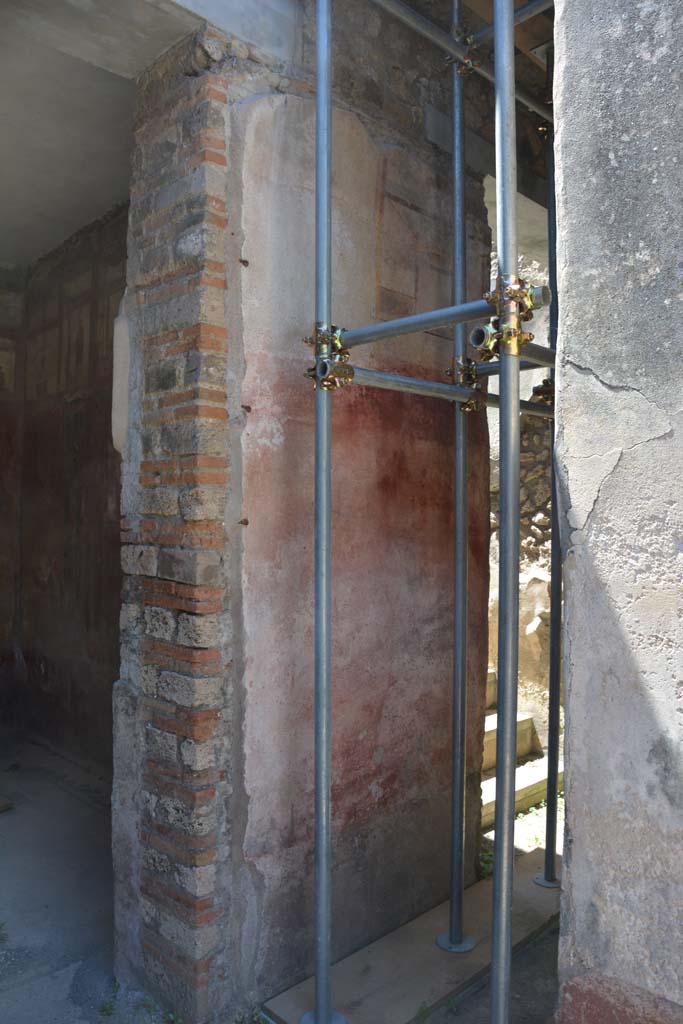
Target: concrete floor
[(56, 895), (56, 909)]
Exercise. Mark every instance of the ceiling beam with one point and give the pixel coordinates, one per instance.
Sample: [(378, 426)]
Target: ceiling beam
[(529, 35)]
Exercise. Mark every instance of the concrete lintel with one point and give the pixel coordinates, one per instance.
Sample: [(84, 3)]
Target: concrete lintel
[(271, 25)]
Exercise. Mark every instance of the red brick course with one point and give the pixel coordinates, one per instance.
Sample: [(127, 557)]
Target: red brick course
[(174, 591)]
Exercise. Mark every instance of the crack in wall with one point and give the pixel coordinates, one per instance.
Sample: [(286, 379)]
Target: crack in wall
[(610, 473), (587, 370)]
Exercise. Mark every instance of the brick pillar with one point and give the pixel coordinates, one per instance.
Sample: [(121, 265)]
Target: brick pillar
[(171, 800)]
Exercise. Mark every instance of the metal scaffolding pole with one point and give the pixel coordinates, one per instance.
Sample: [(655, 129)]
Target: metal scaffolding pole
[(459, 51), (459, 314), (437, 389), (455, 940), (322, 1014), (522, 14), (332, 370), (537, 355), (508, 624), (549, 877), (493, 369)]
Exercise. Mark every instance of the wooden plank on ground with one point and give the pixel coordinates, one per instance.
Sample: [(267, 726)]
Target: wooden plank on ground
[(405, 973)]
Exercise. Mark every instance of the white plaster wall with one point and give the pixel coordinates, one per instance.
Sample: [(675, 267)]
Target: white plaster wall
[(618, 117)]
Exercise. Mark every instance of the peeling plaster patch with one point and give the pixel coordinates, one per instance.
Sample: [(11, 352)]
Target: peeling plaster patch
[(643, 257), (582, 483), (659, 23), (585, 486), (376, 791), (191, 243), (639, 419), (267, 432)]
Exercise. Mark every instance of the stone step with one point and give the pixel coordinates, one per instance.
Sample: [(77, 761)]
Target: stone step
[(531, 782), (491, 688), (528, 743)]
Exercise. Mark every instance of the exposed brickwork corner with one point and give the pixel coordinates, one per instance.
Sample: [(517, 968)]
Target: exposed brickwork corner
[(175, 671)]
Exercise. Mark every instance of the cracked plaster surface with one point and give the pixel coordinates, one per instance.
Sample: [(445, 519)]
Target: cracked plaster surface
[(600, 435), (619, 404)]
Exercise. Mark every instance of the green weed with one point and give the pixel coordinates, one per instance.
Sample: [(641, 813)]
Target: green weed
[(486, 862)]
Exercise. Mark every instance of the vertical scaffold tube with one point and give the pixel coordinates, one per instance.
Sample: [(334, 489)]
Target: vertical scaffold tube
[(549, 877), (455, 941), (508, 624), (323, 524)]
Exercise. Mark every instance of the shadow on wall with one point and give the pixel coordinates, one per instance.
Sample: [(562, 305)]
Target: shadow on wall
[(623, 750), (62, 656)]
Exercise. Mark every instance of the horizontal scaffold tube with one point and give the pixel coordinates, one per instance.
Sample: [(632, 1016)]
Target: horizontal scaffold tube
[(465, 313), (522, 14), (534, 356), (437, 389), (451, 46), (492, 369), (541, 355)]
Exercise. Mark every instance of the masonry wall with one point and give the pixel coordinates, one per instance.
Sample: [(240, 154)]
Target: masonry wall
[(214, 777), (620, 176), (535, 495), (12, 284), (392, 554), (535, 480), (176, 706), (534, 590), (59, 599), (69, 491)]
